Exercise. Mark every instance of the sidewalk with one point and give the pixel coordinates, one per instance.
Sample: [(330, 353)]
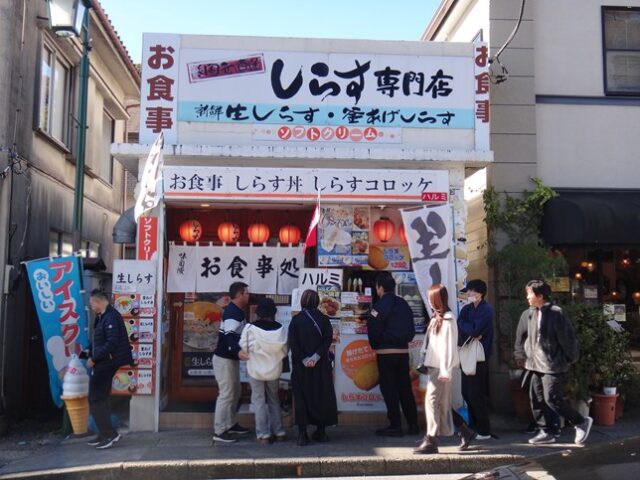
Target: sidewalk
[(352, 451)]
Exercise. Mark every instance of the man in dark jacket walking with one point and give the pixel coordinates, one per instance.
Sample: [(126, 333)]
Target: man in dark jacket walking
[(109, 351), (390, 329), (546, 346)]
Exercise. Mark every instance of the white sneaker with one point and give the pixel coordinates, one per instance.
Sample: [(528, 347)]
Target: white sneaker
[(483, 437), (542, 438), (583, 430)]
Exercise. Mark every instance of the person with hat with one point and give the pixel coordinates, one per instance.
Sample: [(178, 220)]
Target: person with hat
[(476, 321), (264, 344)]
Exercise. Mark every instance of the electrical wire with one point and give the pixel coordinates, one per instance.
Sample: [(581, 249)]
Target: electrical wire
[(504, 73)]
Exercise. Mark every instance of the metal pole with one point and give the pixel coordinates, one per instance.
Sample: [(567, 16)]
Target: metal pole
[(82, 132)]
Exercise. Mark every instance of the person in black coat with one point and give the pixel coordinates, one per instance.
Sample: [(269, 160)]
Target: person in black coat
[(314, 396), (109, 351)]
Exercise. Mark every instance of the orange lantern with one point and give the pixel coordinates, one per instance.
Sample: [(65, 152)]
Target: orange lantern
[(402, 234), (258, 232), (384, 229), (228, 232), (190, 231), (289, 234)]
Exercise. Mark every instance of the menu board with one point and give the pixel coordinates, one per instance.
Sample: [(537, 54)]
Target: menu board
[(344, 236)]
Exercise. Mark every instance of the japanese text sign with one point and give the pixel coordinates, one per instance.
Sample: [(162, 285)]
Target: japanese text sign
[(56, 289), (131, 276), (147, 238), (312, 277), (299, 184)]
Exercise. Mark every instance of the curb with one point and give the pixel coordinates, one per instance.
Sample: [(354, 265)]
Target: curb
[(274, 468)]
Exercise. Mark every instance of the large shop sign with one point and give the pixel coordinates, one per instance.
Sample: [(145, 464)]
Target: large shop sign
[(303, 184), (287, 87)]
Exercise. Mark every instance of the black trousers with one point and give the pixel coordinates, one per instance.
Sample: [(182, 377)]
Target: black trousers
[(474, 392), (547, 391), (99, 392), (395, 386)]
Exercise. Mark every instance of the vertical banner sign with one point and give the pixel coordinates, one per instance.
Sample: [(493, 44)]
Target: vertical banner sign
[(182, 269), (429, 233), (264, 270), (151, 181), (482, 83), (147, 238), (56, 289), (289, 264)]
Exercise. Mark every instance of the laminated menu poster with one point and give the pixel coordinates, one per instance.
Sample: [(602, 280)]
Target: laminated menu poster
[(329, 300), (129, 381), (140, 329), (134, 304), (335, 227), (355, 312)]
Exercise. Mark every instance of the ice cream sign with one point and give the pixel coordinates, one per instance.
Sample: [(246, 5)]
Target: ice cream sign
[(56, 288)]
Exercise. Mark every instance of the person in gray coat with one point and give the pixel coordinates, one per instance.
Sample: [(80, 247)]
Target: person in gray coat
[(546, 346)]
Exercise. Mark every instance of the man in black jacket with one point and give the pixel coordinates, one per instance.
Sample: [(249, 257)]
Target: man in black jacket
[(546, 346), (390, 329), (109, 351)]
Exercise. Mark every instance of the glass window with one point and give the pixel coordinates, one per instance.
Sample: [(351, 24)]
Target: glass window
[(66, 244), (55, 86), (621, 39), (106, 160), (54, 243)]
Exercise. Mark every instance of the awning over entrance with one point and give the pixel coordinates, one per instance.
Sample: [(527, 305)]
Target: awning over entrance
[(124, 231), (592, 217)]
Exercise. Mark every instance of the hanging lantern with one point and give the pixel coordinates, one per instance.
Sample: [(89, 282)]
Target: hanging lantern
[(384, 229), (190, 231), (402, 234), (258, 232), (228, 232), (289, 234)]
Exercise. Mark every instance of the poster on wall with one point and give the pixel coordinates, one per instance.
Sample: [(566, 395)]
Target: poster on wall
[(335, 232), (134, 276), (133, 381)]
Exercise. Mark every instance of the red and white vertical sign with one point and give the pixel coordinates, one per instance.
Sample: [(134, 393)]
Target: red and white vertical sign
[(147, 238), (482, 83), (159, 87)]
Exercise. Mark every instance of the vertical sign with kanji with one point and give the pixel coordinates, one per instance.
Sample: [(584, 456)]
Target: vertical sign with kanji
[(147, 238), (159, 88), (482, 83)]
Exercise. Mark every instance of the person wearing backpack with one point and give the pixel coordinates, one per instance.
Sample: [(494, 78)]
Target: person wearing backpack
[(390, 329)]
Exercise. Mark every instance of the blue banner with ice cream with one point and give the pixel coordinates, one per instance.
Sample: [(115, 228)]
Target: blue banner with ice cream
[(56, 287)]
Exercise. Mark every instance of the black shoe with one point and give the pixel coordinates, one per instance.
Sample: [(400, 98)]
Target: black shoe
[(427, 446), (95, 441), (303, 439), (224, 438), (389, 432), (108, 443), (237, 429), (531, 429), (414, 429), (319, 436), (466, 437)]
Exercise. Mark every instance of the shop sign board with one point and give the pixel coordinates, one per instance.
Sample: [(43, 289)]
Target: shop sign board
[(189, 79), (147, 238), (303, 185), (134, 276)]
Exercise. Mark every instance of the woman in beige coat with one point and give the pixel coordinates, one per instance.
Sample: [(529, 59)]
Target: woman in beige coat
[(441, 358)]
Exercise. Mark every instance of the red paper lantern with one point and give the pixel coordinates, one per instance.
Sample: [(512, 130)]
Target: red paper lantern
[(384, 229), (258, 232), (289, 234), (228, 232), (190, 231), (402, 234)]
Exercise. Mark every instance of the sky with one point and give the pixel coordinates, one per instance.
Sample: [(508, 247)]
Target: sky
[(360, 19)]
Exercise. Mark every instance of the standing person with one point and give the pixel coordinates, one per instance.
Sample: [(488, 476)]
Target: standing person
[(476, 321), (545, 346), (264, 342), (226, 367), (109, 351), (390, 329), (314, 396), (441, 358)]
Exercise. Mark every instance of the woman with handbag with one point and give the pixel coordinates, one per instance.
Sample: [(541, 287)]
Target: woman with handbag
[(265, 343), (441, 359), (314, 397)]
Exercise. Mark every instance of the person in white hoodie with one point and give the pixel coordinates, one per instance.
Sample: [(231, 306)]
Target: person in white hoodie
[(265, 344), (441, 358)]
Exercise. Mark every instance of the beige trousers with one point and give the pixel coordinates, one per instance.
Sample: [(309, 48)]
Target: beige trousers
[(437, 405)]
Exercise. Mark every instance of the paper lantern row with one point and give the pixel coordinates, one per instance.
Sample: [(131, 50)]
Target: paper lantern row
[(229, 232)]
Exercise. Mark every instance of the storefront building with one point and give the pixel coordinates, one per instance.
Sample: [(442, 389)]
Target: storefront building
[(260, 134)]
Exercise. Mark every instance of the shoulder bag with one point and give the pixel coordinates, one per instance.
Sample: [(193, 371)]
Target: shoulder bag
[(471, 352)]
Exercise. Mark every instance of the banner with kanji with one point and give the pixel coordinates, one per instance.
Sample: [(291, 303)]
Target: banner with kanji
[(200, 268), (429, 232), (56, 288)]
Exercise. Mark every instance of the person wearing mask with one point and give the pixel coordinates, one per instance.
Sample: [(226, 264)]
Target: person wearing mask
[(546, 346), (442, 359), (390, 329), (264, 343), (314, 396), (226, 368), (476, 321), (109, 351)]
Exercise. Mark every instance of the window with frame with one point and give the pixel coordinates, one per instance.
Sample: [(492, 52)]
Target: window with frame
[(61, 245), (106, 159), (621, 50), (55, 96)]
